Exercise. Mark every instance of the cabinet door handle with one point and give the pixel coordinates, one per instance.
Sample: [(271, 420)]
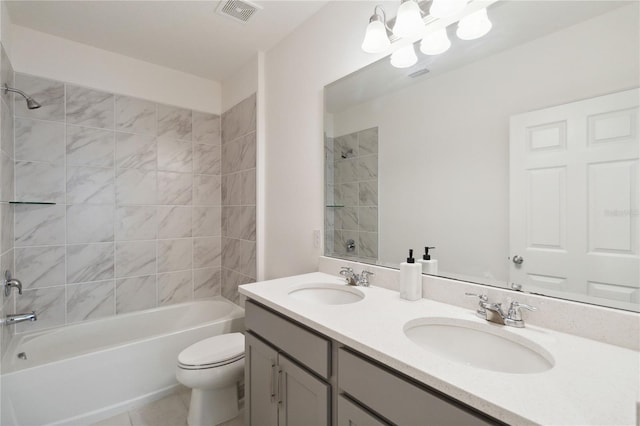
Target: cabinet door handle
[(272, 384), (280, 390)]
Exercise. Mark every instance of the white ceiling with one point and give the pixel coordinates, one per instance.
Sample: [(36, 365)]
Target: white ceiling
[(184, 35)]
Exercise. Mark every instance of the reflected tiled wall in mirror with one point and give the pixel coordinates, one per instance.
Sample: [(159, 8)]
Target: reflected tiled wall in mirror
[(351, 213)]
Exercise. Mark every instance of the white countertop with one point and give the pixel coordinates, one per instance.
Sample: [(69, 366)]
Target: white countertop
[(591, 383)]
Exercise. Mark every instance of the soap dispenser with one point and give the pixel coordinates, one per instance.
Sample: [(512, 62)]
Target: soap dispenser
[(410, 279), (429, 265)]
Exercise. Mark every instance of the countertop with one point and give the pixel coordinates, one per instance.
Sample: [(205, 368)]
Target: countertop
[(591, 383)]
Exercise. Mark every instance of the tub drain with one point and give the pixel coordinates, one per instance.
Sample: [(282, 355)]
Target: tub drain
[(22, 356)]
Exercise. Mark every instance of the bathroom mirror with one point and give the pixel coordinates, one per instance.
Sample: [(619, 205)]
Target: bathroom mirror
[(515, 155)]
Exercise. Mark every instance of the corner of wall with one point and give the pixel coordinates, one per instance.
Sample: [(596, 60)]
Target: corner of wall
[(241, 84), (6, 27)]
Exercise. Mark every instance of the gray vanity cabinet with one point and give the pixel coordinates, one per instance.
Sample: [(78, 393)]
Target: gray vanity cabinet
[(282, 390), (351, 414), (297, 377), (398, 400), (261, 364)]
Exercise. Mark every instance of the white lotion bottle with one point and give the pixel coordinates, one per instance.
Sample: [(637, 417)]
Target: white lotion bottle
[(429, 265), (410, 279)]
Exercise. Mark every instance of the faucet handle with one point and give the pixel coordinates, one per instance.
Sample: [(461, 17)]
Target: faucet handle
[(482, 297), (10, 282), (346, 270), (482, 300), (514, 310), (364, 278)]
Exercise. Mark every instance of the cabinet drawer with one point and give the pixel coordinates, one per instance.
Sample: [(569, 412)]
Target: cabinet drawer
[(398, 400), (305, 346), (350, 414)]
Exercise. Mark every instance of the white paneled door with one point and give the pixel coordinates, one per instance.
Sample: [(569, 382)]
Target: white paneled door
[(574, 200)]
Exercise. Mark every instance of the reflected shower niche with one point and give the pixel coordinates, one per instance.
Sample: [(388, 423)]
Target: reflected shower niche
[(351, 194)]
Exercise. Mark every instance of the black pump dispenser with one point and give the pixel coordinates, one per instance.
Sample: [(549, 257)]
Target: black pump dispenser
[(410, 259), (426, 255)]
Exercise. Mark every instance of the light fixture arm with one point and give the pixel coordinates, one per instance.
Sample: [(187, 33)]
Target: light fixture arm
[(376, 16)]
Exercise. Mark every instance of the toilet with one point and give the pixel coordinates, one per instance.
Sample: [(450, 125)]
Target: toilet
[(212, 368)]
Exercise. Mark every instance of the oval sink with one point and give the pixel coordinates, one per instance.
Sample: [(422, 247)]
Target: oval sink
[(479, 345), (327, 294)]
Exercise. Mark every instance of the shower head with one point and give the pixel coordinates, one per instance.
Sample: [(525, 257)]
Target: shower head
[(31, 103)]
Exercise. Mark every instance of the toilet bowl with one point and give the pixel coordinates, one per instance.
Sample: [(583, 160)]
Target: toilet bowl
[(212, 368)]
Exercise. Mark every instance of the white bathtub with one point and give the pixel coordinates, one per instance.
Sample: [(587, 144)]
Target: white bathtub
[(86, 372)]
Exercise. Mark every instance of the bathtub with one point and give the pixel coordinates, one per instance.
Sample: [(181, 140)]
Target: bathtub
[(86, 372)]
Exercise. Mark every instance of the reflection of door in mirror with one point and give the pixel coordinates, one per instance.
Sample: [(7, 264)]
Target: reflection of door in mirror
[(575, 199), (351, 214)]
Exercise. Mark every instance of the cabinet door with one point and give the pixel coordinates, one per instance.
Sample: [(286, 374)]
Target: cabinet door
[(349, 414), (260, 383), (303, 399)]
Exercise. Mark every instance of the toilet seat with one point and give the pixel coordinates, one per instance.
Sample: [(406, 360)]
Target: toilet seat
[(213, 352)]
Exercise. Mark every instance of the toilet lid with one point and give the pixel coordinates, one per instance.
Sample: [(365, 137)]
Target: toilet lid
[(215, 350)]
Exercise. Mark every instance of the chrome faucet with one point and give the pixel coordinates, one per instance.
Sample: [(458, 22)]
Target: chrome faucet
[(493, 312), (354, 279), (16, 318), (10, 283)]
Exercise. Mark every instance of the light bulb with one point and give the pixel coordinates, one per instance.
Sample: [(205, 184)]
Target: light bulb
[(474, 26), (435, 43), (409, 21), (404, 57), (375, 39), (446, 8)]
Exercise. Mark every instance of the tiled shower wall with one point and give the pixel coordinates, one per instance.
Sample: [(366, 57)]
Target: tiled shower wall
[(238, 197), (6, 192), (351, 163), (137, 187)]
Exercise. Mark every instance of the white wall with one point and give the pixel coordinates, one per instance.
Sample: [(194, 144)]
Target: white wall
[(241, 84), (44, 55), (5, 27), (445, 141), (323, 49)]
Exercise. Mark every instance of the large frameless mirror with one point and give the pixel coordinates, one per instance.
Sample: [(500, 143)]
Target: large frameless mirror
[(515, 155)]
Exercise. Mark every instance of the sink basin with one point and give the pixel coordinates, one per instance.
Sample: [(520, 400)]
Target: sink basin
[(327, 294), (479, 345)]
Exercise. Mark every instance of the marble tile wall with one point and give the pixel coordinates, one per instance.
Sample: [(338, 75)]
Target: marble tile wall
[(352, 194), (7, 182), (238, 197), (138, 217)]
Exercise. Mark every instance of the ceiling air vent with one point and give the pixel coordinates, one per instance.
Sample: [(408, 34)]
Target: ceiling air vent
[(418, 73), (239, 10)]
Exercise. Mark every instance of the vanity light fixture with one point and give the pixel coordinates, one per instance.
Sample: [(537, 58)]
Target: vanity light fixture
[(474, 26), (404, 57), (435, 42), (376, 39), (410, 25), (409, 21)]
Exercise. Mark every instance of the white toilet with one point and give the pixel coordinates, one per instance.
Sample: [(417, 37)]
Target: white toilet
[(212, 368)]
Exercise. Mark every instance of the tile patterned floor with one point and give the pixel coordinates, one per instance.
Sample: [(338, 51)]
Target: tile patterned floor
[(171, 410)]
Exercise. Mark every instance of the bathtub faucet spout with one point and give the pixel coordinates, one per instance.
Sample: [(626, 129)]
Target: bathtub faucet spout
[(16, 318)]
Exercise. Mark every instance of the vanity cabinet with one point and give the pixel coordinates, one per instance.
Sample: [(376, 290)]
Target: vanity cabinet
[(351, 414), (286, 372), (295, 376), (395, 398)]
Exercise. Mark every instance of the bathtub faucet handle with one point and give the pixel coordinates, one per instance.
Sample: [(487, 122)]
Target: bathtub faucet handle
[(10, 282)]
